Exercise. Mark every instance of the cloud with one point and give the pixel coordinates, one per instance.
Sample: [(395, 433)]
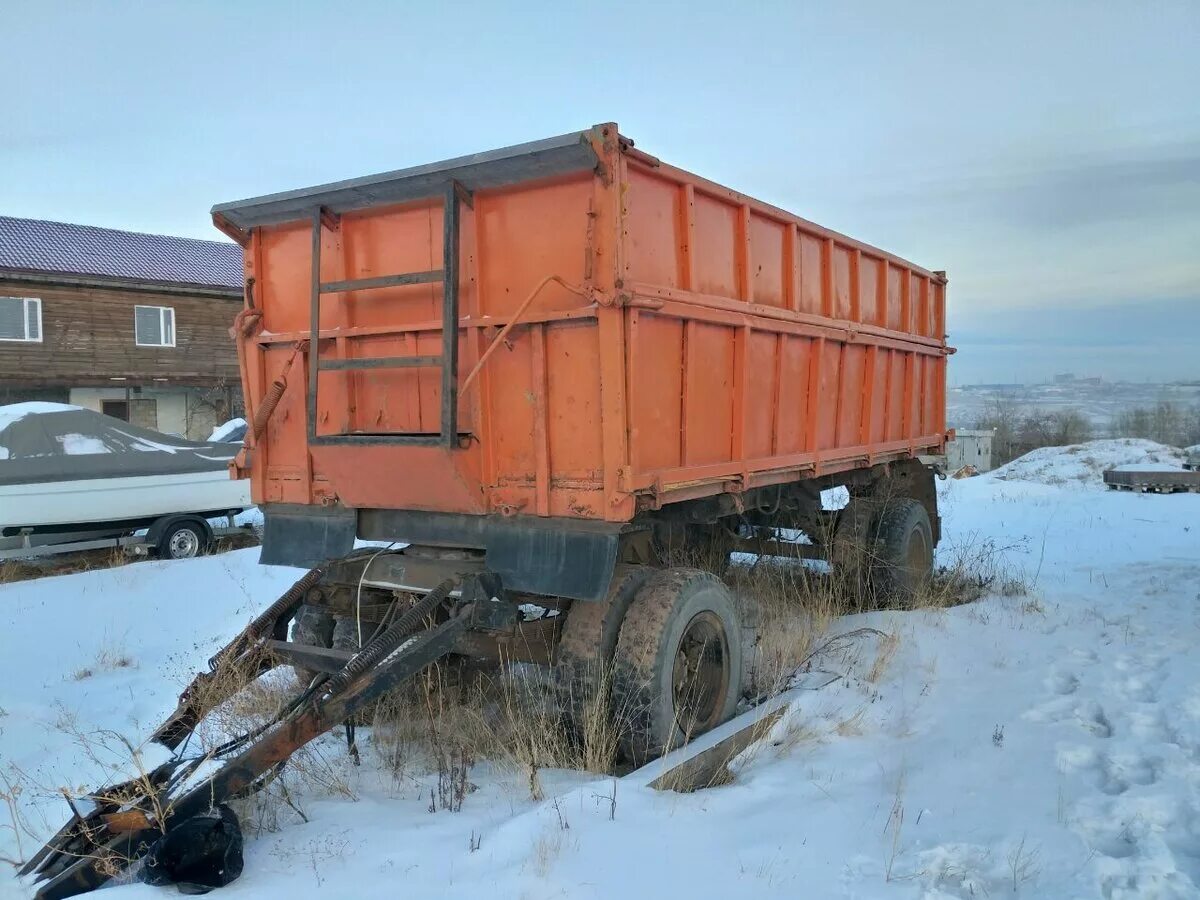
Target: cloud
[(1085, 191), (1030, 229)]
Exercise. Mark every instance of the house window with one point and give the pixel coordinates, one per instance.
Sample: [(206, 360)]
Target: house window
[(21, 319), (154, 326)]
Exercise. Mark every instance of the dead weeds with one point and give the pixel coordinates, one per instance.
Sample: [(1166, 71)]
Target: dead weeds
[(14, 570)]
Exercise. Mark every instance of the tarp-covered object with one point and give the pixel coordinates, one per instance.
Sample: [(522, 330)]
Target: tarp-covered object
[(41, 442), (198, 854)]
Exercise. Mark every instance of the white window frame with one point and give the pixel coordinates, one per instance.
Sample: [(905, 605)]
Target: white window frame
[(25, 321), (163, 318)]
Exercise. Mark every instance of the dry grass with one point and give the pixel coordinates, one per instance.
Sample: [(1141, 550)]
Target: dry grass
[(13, 570), (895, 824), (797, 733), (101, 750), (439, 725), (456, 713), (885, 652), (975, 569), (110, 658), (789, 606), (319, 769), (107, 753), (787, 609), (10, 793), (852, 725)]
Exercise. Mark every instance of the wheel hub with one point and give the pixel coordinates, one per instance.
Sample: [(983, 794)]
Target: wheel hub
[(184, 544), (700, 674), (919, 558)]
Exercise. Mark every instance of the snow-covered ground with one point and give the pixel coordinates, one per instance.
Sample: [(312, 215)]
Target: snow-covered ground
[(1044, 744), (1083, 465)]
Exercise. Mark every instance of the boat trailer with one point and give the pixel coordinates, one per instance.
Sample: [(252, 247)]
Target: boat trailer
[(125, 819)]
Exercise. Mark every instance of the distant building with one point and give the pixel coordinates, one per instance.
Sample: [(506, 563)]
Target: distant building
[(970, 447), (132, 325)]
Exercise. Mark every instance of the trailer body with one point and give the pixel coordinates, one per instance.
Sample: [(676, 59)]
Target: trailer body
[(658, 339)]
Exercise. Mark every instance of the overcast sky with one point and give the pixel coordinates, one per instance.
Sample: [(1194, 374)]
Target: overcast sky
[(1047, 155)]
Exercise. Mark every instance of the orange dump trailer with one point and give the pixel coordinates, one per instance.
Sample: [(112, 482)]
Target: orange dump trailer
[(564, 381), (561, 337)]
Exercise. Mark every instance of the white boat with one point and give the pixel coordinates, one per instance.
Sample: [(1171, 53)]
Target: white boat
[(63, 469)]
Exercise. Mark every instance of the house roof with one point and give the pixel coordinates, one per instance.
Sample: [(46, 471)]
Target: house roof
[(60, 248)]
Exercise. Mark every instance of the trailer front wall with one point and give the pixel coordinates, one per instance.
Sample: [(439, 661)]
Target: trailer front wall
[(534, 411)]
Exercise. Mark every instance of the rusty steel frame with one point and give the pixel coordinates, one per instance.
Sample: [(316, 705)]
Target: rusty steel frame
[(126, 819)]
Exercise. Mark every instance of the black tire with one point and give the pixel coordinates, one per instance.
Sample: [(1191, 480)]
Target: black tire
[(313, 627), (902, 557), (680, 620), (850, 551), (183, 540), (345, 633), (583, 658)]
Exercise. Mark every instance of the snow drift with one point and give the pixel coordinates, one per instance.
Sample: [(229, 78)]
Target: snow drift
[(1085, 464)]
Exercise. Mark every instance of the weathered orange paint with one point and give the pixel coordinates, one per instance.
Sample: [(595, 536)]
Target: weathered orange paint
[(708, 342)]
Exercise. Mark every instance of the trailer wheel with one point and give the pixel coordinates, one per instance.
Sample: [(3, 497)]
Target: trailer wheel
[(902, 561), (849, 552), (183, 540), (583, 658), (678, 663), (345, 633), (312, 627)]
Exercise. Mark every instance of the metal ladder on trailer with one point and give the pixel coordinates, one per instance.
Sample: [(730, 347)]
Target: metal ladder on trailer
[(452, 195)]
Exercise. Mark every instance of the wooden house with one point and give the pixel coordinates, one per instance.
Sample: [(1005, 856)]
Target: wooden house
[(132, 325)]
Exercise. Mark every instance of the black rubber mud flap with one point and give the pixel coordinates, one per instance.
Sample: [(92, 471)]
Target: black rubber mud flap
[(306, 536), (555, 562), (557, 557)]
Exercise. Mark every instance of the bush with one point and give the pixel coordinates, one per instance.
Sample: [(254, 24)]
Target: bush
[(1164, 422), (1017, 431)]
